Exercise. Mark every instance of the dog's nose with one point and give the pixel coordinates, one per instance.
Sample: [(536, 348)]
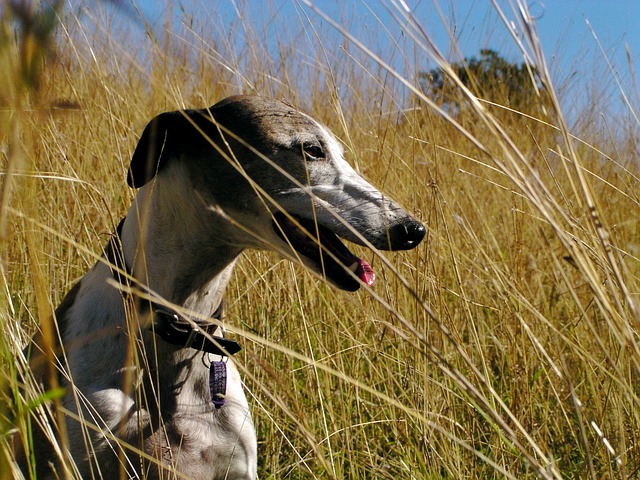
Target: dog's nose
[(406, 235)]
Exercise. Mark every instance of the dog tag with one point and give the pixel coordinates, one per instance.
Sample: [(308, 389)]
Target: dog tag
[(218, 383)]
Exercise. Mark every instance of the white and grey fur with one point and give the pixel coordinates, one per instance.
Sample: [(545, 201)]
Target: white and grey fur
[(244, 173)]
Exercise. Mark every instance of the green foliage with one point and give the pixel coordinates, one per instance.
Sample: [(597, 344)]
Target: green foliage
[(34, 29), (490, 77)]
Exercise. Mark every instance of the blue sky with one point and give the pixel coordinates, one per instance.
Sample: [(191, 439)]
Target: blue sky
[(569, 30), (562, 24)]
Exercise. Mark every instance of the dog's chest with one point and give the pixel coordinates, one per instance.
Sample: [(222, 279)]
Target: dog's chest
[(204, 442)]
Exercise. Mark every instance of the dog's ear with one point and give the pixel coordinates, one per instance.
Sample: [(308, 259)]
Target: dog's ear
[(154, 141), (163, 136)]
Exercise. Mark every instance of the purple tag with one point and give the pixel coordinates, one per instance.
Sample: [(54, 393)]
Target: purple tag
[(218, 383)]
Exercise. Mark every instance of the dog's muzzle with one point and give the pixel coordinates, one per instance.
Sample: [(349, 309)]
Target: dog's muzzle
[(326, 253)]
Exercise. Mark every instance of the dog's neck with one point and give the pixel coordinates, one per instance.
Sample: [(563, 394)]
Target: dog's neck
[(183, 265)]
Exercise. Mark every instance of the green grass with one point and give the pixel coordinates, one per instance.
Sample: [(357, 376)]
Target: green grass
[(506, 345)]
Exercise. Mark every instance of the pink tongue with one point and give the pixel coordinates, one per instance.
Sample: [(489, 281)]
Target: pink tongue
[(365, 272)]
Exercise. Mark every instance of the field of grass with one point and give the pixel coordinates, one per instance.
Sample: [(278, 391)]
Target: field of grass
[(505, 346)]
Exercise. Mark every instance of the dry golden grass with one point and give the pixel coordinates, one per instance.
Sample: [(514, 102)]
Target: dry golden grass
[(506, 345)]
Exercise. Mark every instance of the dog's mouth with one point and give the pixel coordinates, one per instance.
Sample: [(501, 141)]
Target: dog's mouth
[(325, 251)]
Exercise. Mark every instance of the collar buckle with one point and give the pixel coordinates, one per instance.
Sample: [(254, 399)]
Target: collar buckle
[(192, 336), (169, 326)]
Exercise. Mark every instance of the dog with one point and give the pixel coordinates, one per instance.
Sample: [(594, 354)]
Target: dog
[(151, 390)]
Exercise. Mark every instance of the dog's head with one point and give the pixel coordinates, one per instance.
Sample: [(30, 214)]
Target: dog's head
[(281, 178)]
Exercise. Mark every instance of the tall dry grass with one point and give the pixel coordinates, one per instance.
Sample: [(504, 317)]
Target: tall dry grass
[(506, 346)]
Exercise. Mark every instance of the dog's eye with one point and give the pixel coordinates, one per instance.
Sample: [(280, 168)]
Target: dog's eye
[(313, 152)]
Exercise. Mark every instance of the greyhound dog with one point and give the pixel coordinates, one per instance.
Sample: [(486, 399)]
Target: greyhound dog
[(150, 390)]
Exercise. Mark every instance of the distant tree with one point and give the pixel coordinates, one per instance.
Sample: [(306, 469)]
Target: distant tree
[(490, 77)]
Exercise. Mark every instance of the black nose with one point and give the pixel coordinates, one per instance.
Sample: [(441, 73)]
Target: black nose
[(406, 235)]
